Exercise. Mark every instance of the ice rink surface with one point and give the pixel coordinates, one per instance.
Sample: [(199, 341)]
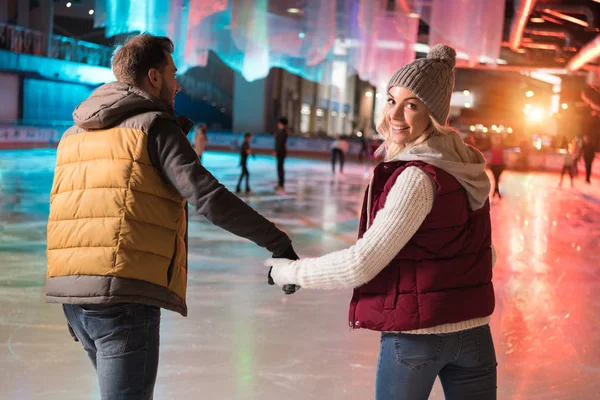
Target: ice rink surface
[(244, 340)]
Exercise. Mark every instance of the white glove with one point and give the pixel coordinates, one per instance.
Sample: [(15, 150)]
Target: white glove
[(284, 271)]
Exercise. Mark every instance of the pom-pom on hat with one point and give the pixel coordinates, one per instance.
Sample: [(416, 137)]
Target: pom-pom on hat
[(431, 79)]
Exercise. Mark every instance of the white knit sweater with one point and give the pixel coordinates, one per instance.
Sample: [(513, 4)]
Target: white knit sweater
[(408, 203)]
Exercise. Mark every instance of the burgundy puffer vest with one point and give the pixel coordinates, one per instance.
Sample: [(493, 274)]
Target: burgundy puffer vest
[(443, 274)]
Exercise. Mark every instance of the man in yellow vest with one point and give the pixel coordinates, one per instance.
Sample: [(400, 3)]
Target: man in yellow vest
[(117, 230)]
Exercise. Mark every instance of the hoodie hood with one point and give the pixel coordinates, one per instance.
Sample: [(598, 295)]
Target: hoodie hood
[(465, 163), (114, 102)]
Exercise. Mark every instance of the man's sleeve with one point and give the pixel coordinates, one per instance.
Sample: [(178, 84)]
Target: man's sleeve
[(175, 159)]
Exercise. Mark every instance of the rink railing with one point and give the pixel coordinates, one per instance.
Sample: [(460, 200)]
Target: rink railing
[(28, 134), (23, 135)]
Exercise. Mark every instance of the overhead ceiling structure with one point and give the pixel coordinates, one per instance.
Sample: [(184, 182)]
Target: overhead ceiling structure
[(307, 37), (371, 37), (557, 34), (552, 33)]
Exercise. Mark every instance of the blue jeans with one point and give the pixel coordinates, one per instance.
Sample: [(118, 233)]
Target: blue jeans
[(465, 362), (122, 342)]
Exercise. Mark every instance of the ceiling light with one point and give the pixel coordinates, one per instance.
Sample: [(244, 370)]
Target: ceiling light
[(69, 4), (564, 106), (466, 92), (413, 15), (293, 10), (529, 93), (368, 93), (537, 20), (91, 12), (467, 105)]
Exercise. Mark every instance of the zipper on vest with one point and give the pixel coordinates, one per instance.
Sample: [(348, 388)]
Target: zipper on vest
[(370, 193), (353, 324)]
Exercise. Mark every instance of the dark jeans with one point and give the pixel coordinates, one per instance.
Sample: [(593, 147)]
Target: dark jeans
[(465, 362), (497, 171), (335, 154), (122, 342), (245, 174), (280, 170), (588, 168)]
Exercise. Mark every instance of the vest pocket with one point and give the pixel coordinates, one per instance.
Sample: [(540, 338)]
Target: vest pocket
[(391, 293), (176, 275)]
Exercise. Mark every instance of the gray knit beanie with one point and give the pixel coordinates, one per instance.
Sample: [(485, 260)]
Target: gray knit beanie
[(431, 79)]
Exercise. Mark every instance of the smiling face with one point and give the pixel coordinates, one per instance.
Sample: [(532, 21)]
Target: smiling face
[(406, 115)]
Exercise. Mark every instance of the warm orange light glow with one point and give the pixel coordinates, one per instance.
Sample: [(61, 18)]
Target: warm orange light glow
[(588, 53), (566, 17), (541, 46), (536, 115), (522, 17)]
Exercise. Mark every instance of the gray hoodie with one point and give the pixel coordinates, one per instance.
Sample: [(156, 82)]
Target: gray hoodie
[(451, 154)]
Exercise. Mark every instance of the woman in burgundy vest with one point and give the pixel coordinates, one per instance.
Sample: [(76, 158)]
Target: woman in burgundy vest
[(421, 268)]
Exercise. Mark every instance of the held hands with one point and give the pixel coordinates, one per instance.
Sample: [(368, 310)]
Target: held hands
[(278, 265), (281, 274)]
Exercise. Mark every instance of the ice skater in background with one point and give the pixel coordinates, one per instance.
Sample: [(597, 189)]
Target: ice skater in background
[(339, 148), (588, 153), (245, 151), (281, 138), (422, 266), (567, 166), (200, 140), (496, 162)]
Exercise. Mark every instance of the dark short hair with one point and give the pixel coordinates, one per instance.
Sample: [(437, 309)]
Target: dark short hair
[(247, 135), (283, 121), (132, 61)]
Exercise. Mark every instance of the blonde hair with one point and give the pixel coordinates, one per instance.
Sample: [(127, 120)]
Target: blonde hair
[(388, 149)]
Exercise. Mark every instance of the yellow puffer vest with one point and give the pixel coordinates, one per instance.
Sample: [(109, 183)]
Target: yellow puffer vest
[(116, 230)]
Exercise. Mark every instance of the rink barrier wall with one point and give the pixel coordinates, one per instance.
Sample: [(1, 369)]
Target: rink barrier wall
[(27, 137)]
